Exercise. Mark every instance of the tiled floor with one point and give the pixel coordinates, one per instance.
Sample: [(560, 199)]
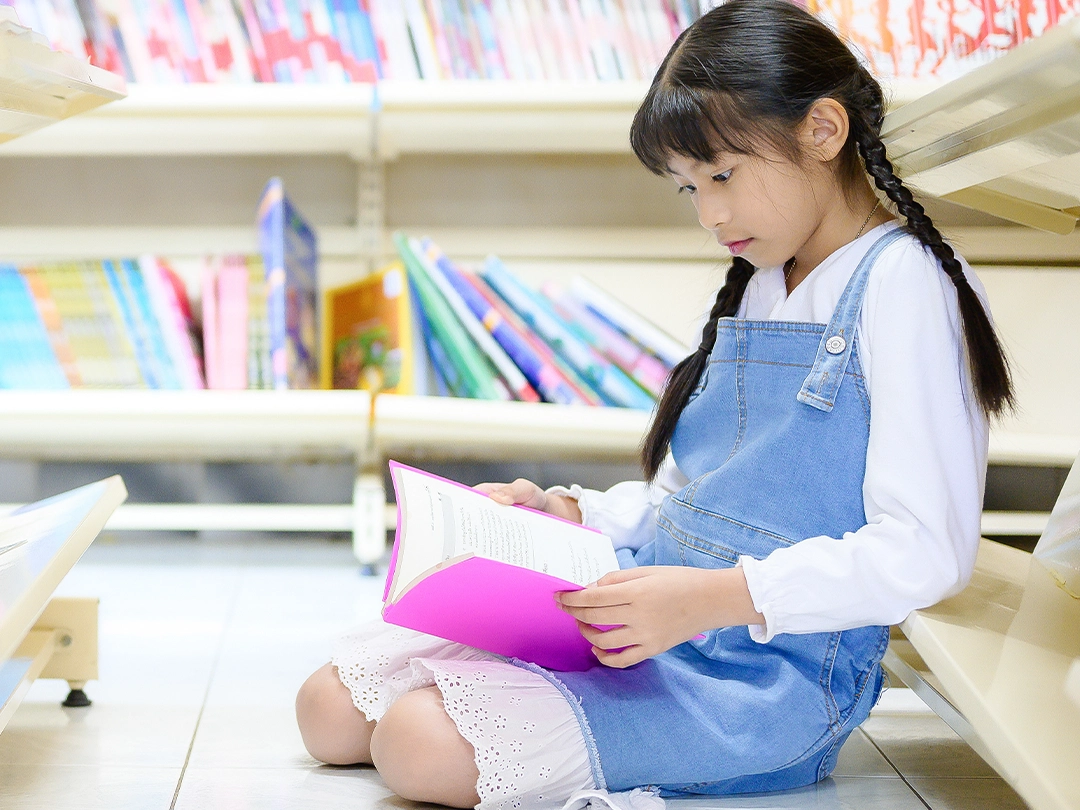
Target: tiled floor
[(203, 646)]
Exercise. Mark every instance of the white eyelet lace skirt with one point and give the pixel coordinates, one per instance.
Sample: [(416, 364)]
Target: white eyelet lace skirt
[(529, 748)]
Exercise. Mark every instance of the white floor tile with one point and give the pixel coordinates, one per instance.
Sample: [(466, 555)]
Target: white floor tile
[(287, 789), (968, 794), (923, 745), (249, 737), (43, 734), (860, 757), (80, 787), (835, 793)]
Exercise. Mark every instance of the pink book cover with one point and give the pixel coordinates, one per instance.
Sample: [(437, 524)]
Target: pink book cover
[(210, 324), (485, 603), (233, 324)]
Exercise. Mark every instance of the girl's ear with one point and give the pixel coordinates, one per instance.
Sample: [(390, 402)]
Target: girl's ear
[(825, 129)]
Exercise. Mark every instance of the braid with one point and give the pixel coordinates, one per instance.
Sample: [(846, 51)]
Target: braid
[(684, 377), (989, 367)]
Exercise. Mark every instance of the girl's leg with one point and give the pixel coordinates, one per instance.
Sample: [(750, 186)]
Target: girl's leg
[(420, 754), (334, 730)]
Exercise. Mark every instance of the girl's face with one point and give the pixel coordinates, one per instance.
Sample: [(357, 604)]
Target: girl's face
[(766, 209)]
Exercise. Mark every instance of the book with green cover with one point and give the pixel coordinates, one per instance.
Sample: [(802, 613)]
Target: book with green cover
[(479, 380)]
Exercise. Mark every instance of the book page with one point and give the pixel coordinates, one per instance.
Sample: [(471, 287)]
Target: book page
[(442, 520)]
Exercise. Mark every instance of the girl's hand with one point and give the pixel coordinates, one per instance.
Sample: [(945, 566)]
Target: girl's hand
[(654, 608), (526, 493)]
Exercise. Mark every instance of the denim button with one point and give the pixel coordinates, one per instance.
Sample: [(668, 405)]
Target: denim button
[(835, 344)]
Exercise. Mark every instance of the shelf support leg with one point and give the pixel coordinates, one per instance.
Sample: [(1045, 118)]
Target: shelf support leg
[(369, 521)]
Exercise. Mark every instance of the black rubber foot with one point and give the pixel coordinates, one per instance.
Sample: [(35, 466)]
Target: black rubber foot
[(76, 699), (368, 570)]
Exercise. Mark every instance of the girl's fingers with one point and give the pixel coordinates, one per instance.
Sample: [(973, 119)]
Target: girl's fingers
[(606, 615), (520, 491), (620, 659), (615, 639)]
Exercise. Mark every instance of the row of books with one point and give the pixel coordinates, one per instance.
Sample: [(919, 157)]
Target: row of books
[(426, 324), (336, 41), (129, 323)]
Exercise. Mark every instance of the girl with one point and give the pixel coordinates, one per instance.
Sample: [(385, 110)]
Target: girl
[(827, 452)]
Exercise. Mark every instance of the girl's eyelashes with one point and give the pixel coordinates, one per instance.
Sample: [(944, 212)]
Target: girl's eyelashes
[(687, 189), (722, 177)]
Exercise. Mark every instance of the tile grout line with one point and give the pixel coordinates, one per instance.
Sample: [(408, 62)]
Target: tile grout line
[(209, 683), (892, 764)]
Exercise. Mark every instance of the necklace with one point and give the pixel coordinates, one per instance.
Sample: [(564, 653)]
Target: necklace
[(867, 220), (790, 267)]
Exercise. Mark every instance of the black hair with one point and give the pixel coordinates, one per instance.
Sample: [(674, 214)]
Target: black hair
[(742, 79)]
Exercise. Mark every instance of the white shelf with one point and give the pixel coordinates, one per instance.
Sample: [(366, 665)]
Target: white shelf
[(436, 117), (42, 86), (1004, 138), (217, 119)]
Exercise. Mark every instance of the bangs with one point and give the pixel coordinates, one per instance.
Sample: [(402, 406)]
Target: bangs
[(676, 119)]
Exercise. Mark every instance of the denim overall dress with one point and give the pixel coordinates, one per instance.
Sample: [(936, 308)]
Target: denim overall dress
[(774, 443)]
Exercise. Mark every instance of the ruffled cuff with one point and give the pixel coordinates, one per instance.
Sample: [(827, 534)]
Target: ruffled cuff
[(578, 494), (761, 633)]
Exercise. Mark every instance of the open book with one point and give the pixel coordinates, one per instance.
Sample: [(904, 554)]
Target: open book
[(471, 570)]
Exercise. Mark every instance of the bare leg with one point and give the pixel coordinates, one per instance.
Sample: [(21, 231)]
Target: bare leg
[(334, 730), (420, 754)]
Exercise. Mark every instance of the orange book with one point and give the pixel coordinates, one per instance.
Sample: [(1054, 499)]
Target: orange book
[(369, 337)]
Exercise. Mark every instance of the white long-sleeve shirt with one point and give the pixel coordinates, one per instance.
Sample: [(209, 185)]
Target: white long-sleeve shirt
[(925, 462)]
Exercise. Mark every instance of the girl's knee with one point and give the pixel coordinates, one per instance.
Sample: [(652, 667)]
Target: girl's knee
[(421, 755), (333, 729)]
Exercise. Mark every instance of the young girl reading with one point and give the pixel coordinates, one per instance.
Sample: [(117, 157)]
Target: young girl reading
[(814, 472)]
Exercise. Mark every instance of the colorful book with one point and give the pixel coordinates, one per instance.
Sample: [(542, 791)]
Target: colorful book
[(556, 381), (629, 322), (53, 323), (606, 378), (371, 339), (470, 364), (290, 253), (259, 373), (439, 268), (26, 355), (133, 324), (149, 321), (174, 321), (644, 368), (477, 572), (210, 331)]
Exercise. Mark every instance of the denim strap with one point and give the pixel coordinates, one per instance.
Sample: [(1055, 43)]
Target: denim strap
[(820, 387)]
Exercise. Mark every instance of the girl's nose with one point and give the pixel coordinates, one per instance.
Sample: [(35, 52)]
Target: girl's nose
[(711, 214)]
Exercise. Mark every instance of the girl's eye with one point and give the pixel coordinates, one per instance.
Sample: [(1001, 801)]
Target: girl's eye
[(687, 189), (723, 177)]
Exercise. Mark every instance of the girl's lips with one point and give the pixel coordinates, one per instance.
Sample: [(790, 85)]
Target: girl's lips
[(737, 247)]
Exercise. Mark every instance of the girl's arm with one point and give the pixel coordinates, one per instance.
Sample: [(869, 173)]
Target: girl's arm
[(925, 468)]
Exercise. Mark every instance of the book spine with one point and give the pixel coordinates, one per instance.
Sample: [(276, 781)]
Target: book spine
[(611, 383), (510, 46), (232, 319), (174, 324), (630, 323), (494, 64), (440, 268), (442, 369), (527, 39), (233, 55), (259, 373), (210, 325), (388, 19), (542, 375), (555, 381), (434, 10), (423, 43), (53, 323), (149, 321), (643, 368), (27, 359), (248, 19), (470, 363), (132, 329)]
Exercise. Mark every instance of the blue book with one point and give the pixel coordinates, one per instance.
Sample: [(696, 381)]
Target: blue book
[(27, 359), (440, 364), (133, 325), (151, 324), (291, 257)]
